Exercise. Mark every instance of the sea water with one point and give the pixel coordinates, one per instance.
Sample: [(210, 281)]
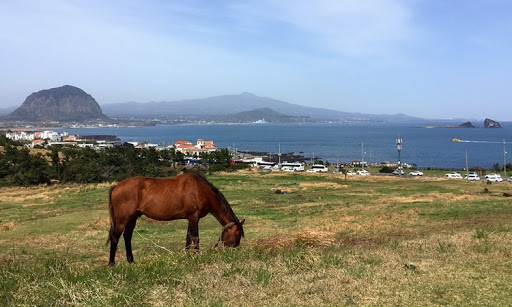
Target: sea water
[(425, 147)]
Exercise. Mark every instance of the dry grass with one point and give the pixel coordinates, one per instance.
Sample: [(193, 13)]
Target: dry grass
[(322, 185), (7, 226), (433, 196)]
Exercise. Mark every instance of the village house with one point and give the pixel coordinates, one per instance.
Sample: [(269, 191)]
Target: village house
[(34, 135), (20, 135), (201, 146)]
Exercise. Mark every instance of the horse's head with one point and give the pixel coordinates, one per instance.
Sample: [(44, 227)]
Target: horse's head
[(232, 233)]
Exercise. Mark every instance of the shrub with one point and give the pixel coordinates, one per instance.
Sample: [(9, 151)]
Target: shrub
[(386, 169)]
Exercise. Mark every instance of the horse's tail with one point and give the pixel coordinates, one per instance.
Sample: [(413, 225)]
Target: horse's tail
[(111, 213)]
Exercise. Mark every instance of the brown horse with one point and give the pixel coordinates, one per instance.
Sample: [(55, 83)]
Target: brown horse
[(186, 196)]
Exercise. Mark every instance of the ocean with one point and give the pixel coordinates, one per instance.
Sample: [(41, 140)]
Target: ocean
[(425, 147)]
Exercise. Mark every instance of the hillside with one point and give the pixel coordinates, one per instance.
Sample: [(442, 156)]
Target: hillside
[(230, 104), (266, 114), (65, 103)]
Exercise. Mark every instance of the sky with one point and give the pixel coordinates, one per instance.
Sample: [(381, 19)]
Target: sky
[(425, 58)]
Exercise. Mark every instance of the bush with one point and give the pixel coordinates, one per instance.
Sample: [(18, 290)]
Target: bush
[(386, 170)]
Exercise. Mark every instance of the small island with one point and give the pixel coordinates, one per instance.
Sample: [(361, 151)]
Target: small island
[(464, 125), (489, 123)]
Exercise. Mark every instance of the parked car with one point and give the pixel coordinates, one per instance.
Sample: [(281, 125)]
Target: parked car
[(416, 173), (453, 175), (350, 173), (472, 177), (337, 172), (493, 178), (363, 172), (509, 179), (398, 172)]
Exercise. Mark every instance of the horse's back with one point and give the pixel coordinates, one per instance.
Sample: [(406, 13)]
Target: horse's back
[(162, 199)]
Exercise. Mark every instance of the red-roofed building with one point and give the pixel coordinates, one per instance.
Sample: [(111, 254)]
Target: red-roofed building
[(178, 143), (201, 146)]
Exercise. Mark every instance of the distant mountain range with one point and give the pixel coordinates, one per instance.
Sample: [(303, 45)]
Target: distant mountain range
[(5, 111), (233, 104), (69, 103)]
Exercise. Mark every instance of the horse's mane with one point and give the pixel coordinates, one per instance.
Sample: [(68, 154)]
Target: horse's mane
[(222, 200)]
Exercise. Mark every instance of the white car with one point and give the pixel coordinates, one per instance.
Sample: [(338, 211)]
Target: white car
[(493, 178), (509, 179), (453, 175), (363, 172), (350, 173), (416, 173), (472, 177)]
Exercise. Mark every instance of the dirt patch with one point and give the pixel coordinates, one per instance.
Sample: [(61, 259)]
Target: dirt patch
[(315, 237), (430, 197), (7, 226), (99, 224), (324, 185), (392, 218), (54, 241)]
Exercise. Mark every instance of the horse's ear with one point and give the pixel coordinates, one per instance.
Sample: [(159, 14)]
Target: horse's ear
[(242, 222)]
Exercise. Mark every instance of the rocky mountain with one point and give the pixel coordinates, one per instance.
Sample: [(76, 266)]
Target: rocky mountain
[(65, 103), (489, 123), (466, 125), (229, 104), (264, 114)]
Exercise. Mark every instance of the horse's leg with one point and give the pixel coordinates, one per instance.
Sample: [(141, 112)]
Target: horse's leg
[(193, 234), (127, 235), (114, 239)]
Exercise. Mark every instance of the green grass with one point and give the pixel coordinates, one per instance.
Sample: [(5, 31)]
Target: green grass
[(361, 242)]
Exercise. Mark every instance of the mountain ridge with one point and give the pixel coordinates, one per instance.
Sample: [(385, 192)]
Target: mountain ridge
[(230, 104)]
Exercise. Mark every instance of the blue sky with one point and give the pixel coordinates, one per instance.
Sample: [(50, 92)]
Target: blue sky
[(426, 58)]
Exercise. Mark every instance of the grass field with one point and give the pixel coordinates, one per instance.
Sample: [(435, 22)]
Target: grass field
[(311, 239)]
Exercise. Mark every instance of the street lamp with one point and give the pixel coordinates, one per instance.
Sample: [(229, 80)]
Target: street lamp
[(399, 147)]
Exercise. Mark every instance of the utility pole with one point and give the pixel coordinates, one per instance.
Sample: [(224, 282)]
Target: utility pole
[(370, 164), (362, 155), (279, 153), (467, 169), (399, 147), (504, 158)]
